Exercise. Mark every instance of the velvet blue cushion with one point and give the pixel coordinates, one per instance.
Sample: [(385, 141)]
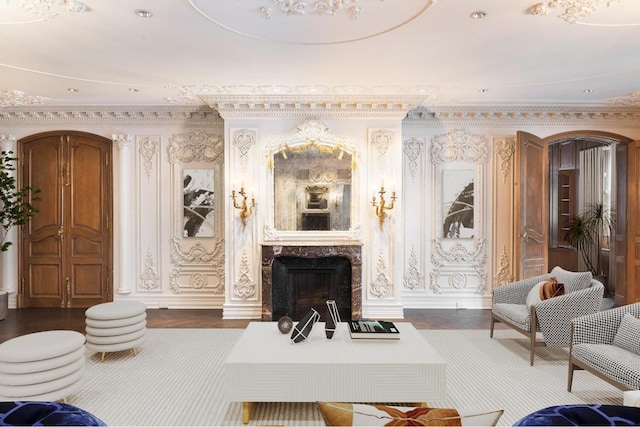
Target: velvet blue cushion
[(45, 414), (583, 415)]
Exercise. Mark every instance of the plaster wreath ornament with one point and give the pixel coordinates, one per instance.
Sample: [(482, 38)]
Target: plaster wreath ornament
[(573, 10), (319, 7), (17, 210)]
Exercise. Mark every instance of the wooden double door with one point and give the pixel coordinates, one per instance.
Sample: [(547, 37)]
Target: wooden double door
[(66, 248), (531, 216)]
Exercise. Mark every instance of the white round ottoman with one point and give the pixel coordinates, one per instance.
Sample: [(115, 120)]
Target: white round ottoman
[(42, 366), (115, 326)]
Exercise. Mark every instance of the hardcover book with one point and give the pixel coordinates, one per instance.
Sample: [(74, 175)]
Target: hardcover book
[(373, 329)]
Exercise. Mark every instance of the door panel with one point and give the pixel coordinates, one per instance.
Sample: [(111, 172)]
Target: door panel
[(620, 244), (73, 233), (633, 223), (532, 206), (42, 246)]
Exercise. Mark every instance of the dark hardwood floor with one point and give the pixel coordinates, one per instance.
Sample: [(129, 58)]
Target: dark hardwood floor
[(27, 320)]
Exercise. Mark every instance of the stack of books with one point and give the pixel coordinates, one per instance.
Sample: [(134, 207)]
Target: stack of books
[(373, 329)]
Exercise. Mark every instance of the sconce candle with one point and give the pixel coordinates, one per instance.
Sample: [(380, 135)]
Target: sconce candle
[(382, 208), (246, 210)]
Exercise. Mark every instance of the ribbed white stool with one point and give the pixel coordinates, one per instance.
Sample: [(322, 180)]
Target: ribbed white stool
[(115, 326), (42, 366)]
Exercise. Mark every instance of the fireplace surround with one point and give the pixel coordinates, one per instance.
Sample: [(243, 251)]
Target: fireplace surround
[(306, 253)]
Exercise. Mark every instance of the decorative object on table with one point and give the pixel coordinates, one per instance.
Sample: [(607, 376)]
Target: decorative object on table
[(359, 414), (285, 324), (302, 330), (376, 329), (334, 318)]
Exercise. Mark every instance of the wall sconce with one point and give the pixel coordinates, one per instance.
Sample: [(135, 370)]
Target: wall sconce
[(382, 208), (246, 210)]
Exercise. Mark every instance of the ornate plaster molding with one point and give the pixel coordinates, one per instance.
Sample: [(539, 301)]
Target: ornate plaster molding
[(505, 274), (458, 145), (198, 262), (148, 147), (381, 285), (243, 140), (149, 279), (381, 140), (196, 253), (196, 146), (317, 7), (245, 287), (413, 279), (413, 148), (307, 132), (13, 98), (505, 148), (260, 106), (89, 114), (444, 259), (7, 141), (122, 141), (491, 116)]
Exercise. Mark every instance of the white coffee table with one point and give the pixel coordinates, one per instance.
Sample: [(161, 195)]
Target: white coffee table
[(266, 366)]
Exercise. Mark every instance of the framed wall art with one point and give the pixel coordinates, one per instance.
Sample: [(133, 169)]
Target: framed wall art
[(198, 193), (458, 204)]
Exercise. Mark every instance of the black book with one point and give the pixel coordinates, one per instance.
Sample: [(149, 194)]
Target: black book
[(373, 329)]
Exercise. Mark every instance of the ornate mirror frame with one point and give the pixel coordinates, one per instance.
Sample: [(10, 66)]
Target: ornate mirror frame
[(311, 134)]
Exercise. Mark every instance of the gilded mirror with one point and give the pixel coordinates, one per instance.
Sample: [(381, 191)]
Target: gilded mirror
[(312, 181)]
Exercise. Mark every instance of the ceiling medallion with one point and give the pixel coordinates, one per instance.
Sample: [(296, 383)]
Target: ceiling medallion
[(320, 7), (574, 10), (13, 98)]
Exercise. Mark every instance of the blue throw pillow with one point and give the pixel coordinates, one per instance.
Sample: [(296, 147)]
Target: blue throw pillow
[(583, 415), (45, 414)]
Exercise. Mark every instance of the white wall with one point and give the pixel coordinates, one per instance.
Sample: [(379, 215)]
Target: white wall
[(407, 264)]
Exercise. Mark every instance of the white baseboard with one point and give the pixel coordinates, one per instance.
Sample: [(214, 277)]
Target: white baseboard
[(242, 311)]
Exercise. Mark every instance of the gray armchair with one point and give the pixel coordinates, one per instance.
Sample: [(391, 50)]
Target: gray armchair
[(552, 317)]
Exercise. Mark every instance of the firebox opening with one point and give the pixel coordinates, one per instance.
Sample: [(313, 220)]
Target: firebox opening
[(300, 284)]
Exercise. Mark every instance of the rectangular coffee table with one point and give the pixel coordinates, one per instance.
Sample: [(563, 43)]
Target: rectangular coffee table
[(266, 366)]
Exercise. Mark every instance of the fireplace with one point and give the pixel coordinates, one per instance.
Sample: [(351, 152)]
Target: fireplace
[(298, 277)]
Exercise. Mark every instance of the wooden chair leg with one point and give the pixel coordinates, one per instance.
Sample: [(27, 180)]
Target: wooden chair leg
[(570, 378), (493, 322), (102, 359), (532, 333)]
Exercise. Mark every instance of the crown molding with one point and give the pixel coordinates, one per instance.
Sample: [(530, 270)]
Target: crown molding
[(78, 114), (408, 108), (338, 106), (524, 116)]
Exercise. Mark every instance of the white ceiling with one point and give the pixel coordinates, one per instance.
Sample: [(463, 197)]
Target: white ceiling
[(193, 48)]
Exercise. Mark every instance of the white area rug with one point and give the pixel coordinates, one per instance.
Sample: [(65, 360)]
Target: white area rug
[(176, 379)]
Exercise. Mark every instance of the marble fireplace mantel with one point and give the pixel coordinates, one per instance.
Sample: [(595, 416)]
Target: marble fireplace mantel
[(350, 250)]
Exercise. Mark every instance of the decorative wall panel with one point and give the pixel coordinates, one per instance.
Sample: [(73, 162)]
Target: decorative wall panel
[(197, 262), (148, 209), (458, 250)]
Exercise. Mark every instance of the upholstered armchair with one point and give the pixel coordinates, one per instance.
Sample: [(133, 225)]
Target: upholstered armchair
[(552, 316), (606, 344)]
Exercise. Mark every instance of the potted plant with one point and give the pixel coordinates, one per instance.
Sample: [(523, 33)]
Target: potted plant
[(586, 230), (17, 209)]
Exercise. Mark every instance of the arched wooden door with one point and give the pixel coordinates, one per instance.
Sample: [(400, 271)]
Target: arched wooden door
[(66, 249)]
